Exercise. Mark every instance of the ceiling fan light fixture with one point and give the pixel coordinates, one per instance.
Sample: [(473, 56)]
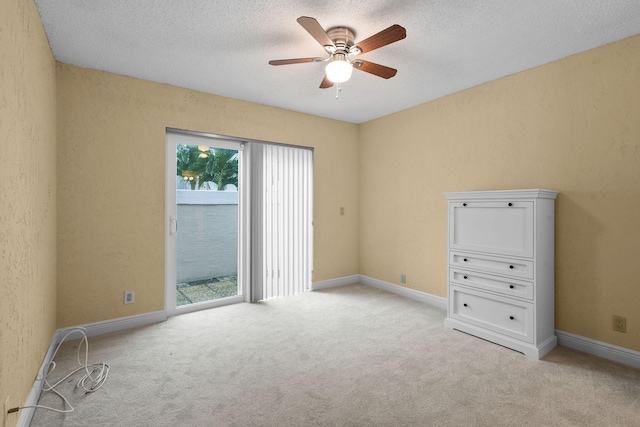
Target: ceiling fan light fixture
[(339, 69)]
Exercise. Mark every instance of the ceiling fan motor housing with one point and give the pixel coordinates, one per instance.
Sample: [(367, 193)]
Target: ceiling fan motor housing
[(343, 39)]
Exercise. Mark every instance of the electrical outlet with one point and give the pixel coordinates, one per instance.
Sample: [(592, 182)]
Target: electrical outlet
[(619, 324), (5, 414), (403, 278), (129, 297)]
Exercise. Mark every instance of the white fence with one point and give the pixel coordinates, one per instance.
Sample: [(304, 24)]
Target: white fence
[(207, 234)]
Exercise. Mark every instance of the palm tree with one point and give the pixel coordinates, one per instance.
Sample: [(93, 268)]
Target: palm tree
[(222, 167), (190, 163), (213, 164)]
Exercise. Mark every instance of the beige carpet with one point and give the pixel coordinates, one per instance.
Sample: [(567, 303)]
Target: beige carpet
[(348, 356)]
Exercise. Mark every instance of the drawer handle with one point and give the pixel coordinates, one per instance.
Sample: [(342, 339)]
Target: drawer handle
[(465, 277), (511, 286), (511, 267), (465, 304), (464, 204), (465, 260), (510, 204), (511, 317)]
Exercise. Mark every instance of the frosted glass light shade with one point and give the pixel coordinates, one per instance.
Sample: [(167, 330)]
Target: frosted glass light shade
[(339, 69)]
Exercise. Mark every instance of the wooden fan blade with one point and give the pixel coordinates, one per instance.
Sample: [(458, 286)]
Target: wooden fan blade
[(375, 69), (326, 83), (383, 38), (315, 29), (292, 61)]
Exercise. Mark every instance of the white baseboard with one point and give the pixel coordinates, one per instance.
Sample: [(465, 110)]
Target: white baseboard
[(423, 297), (34, 395), (122, 323), (598, 348), (332, 283), (92, 330)]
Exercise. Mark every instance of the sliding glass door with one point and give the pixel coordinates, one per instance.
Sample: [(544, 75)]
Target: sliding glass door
[(204, 207), (235, 233)]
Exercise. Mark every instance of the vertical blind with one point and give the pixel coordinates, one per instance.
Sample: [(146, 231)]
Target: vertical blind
[(284, 229)]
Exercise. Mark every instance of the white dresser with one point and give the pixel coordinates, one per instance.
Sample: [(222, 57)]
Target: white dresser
[(501, 267)]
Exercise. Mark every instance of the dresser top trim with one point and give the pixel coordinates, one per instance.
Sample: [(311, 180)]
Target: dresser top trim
[(537, 193)]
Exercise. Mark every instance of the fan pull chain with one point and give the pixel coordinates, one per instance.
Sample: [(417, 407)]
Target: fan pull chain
[(338, 90)]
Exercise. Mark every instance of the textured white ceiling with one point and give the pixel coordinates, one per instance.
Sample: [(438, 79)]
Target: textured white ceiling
[(223, 47)]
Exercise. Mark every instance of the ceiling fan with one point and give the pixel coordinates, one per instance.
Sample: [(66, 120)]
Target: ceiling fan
[(339, 44)]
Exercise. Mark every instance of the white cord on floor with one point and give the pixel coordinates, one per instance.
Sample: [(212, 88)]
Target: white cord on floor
[(95, 377)]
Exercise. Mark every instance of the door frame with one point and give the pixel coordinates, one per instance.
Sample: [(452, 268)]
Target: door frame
[(173, 138)]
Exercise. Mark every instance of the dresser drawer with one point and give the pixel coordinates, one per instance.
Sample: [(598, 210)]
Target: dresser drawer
[(499, 314), (486, 282), (490, 264)]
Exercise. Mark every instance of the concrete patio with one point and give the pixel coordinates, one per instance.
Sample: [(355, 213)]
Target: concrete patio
[(206, 290)]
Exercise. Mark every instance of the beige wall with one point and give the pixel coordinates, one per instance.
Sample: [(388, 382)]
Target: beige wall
[(111, 167), (573, 126), (28, 199)]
